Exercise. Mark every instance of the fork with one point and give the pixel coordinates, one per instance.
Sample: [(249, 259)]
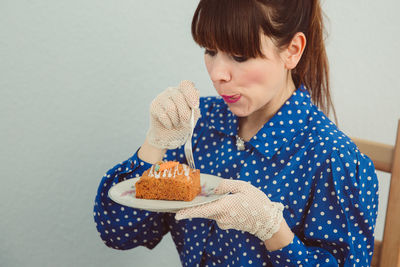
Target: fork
[(188, 145)]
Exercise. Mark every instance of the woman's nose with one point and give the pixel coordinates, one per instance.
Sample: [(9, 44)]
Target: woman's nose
[(220, 70)]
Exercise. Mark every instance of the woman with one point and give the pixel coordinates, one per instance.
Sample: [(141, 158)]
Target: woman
[(301, 193)]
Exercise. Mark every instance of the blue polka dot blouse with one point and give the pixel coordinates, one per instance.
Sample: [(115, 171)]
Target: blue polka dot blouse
[(299, 158)]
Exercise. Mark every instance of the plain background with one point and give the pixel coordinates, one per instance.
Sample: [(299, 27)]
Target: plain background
[(76, 80)]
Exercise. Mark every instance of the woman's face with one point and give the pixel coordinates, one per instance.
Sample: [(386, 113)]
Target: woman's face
[(250, 86)]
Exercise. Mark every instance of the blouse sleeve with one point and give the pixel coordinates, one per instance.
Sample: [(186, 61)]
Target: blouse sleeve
[(122, 227), (340, 220)]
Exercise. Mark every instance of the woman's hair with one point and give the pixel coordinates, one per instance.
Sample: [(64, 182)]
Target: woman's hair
[(234, 26)]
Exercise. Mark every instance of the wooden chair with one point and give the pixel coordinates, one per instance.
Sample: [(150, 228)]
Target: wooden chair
[(386, 158)]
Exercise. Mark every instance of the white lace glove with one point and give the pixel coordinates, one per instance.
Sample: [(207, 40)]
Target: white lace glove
[(246, 209), (170, 115)]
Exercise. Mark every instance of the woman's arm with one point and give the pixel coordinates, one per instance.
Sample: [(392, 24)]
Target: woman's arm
[(150, 154), (280, 239), (338, 226), (123, 227)]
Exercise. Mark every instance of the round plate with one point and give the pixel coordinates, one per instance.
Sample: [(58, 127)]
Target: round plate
[(124, 194)]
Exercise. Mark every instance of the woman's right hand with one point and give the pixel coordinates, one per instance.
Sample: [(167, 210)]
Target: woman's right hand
[(170, 115)]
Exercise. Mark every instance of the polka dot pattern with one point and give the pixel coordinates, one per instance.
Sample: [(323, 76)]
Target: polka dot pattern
[(299, 158)]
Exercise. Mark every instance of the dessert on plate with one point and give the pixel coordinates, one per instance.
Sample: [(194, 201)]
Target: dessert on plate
[(169, 180)]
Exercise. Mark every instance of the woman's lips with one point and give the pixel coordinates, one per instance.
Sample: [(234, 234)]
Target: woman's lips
[(231, 98)]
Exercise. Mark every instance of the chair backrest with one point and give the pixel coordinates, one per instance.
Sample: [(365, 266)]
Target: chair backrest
[(386, 158)]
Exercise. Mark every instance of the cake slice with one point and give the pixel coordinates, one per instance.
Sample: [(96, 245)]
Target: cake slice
[(169, 180)]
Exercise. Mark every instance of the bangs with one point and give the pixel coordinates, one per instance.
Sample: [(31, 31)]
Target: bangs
[(231, 26)]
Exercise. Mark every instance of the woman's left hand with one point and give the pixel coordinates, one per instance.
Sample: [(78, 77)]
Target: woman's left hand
[(246, 209)]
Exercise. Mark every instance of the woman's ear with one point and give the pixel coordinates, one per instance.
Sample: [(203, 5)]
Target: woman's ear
[(295, 50)]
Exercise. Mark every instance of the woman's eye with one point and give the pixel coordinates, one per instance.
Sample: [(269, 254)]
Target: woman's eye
[(239, 59), (210, 52)]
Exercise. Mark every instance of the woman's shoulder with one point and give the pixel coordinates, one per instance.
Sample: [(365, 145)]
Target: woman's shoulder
[(325, 137), (341, 150), (334, 154)]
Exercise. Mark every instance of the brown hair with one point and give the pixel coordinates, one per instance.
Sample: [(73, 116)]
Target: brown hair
[(234, 26)]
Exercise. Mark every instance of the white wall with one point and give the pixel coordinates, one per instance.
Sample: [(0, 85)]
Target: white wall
[(76, 80)]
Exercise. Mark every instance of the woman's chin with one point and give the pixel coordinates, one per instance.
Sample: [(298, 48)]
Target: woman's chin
[(239, 112)]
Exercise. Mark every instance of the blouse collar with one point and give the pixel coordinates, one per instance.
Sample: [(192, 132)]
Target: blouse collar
[(291, 118)]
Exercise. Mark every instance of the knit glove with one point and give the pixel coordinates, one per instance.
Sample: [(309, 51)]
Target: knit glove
[(170, 115), (245, 209)]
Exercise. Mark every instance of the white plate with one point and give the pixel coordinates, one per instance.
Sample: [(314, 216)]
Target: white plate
[(124, 194)]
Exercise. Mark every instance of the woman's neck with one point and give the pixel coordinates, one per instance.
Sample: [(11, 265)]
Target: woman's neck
[(250, 125)]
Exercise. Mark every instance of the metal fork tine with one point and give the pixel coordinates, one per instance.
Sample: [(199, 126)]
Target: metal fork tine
[(193, 166), (188, 145)]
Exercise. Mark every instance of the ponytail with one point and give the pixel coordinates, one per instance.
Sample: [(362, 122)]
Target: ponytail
[(313, 68)]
